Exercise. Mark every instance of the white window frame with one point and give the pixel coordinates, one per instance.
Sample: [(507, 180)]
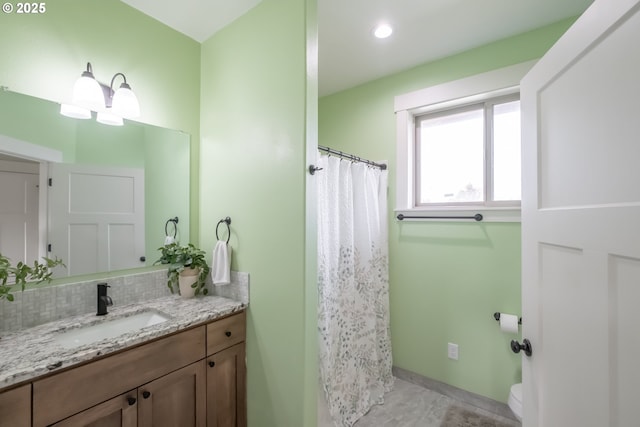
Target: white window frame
[(478, 88)]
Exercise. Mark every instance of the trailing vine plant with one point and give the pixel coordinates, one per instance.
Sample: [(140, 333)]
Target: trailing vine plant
[(19, 275)]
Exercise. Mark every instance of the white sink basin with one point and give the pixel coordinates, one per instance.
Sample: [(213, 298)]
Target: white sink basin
[(109, 329)]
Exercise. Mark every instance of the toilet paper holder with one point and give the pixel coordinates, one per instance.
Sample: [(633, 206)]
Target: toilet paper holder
[(496, 316)]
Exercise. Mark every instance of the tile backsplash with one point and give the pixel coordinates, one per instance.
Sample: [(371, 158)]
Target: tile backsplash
[(45, 304)]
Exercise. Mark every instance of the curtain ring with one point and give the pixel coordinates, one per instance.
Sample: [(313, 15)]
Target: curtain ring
[(175, 227), (227, 221)]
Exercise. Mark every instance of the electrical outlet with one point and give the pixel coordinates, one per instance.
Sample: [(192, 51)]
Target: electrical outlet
[(452, 351)]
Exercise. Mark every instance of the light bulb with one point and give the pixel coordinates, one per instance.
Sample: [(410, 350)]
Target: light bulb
[(125, 103), (87, 93), (382, 31)]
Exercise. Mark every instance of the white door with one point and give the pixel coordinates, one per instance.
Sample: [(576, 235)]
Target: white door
[(96, 217), (19, 210), (580, 224)]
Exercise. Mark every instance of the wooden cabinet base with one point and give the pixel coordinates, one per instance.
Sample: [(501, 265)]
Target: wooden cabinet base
[(226, 388), (15, 407), (193, 378)]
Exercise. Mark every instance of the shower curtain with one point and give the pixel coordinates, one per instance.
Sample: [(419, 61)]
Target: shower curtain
[(353, 286)]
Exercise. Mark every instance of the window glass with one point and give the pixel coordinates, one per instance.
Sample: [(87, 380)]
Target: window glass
[(469, 155), (506, 151), (451, 152)]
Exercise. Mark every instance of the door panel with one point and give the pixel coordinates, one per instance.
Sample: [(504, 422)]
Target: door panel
[(625, 341), (580, 239), (572, 106)]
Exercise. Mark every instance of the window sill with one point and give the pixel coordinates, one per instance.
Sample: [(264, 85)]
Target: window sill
[(489, 214)]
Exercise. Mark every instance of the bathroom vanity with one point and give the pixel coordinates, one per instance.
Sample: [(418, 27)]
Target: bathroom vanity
[(187, 371)]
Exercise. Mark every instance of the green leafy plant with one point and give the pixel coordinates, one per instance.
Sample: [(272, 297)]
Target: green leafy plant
[(21, 274), (177, 258)]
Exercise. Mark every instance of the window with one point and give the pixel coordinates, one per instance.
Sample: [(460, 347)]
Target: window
[(458, 147), (469, 155)]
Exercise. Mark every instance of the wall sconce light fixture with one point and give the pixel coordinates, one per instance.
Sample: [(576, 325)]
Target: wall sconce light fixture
[(111, 106)]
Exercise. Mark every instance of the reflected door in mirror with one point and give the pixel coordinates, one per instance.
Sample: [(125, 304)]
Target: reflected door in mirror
[(97, 217), (19, 210)]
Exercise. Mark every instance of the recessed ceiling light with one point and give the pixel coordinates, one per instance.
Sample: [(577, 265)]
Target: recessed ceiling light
[(382, 31)]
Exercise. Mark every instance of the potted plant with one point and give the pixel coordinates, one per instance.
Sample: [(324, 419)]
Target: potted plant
[(187, 268), (21, 274)]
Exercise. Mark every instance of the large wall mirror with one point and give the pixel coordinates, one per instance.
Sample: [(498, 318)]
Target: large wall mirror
[(109, 191)]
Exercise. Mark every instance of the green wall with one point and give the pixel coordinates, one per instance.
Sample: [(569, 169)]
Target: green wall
[(253, 118), (446, 279), (43, 55)]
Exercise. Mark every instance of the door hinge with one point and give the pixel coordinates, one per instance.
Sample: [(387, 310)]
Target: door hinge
[(50, 182), (49, 247)]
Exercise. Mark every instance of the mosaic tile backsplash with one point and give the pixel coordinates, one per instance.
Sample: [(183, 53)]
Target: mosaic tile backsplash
[(36, 306)]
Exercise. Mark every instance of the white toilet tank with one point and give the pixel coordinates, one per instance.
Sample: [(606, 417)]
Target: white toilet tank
[(515, 400)]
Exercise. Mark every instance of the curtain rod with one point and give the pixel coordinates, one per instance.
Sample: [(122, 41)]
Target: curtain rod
[(352, 157)]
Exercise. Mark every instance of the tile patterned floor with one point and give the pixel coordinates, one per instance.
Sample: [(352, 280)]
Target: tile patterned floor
[(410, 405)]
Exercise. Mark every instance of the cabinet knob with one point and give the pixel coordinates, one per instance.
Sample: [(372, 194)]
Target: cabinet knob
[(228, 333), (146, 394), (131, 400), (212, 363)]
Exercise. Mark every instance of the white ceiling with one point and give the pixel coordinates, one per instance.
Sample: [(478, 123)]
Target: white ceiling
[(198, 19), (424, 30)]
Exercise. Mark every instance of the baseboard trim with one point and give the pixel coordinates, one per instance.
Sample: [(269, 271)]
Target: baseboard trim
[(465, 396)]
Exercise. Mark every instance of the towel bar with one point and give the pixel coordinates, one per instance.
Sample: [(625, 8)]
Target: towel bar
[(227, 221), (477, 217), (174, 220)]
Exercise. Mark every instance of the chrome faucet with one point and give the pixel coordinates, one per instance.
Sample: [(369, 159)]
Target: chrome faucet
[(104, 300)]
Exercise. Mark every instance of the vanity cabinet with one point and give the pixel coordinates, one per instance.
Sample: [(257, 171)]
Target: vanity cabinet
[(15, 407), (194, 378)]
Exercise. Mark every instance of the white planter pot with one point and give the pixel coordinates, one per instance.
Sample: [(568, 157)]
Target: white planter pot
[(188, 277)]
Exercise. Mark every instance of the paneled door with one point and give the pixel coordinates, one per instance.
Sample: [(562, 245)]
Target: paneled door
[(580, 229), (96, 217)]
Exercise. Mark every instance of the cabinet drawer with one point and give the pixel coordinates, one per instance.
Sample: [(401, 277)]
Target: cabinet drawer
[(59, 396), (226, 332)]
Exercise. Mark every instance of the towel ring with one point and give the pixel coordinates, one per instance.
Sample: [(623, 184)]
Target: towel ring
[(175, 227), (227, 221)]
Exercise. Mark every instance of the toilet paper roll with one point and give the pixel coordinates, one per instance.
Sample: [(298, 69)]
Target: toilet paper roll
[(509, 323)]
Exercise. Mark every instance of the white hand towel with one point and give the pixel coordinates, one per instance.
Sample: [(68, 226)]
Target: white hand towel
[(169, 240), (221, 264)]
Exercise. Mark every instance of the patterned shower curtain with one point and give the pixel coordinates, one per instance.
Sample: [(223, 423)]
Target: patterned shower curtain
[(353, 286)]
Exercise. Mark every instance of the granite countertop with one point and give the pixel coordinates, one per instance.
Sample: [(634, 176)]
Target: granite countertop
[(29, 353)]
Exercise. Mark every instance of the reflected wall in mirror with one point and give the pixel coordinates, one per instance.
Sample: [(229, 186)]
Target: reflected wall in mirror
[(98, 233)]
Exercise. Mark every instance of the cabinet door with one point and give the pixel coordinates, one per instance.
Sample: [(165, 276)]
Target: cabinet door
[(226, 388), (15, 407), (121, 411), (177, 399)]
